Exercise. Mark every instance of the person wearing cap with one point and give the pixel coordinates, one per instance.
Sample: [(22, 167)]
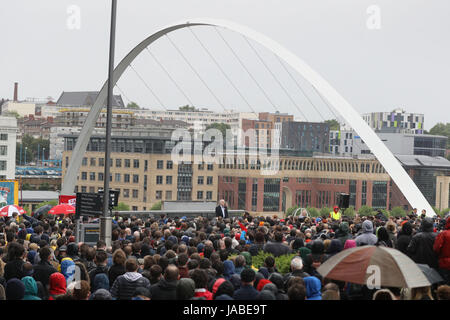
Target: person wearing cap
[(67, 265), (247, 291)]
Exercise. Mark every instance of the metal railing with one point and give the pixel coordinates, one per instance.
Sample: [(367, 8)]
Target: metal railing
[(178, 213)]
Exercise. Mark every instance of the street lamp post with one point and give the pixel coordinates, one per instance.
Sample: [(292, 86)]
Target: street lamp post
[(25, 156), (105, 227), (43, 156)]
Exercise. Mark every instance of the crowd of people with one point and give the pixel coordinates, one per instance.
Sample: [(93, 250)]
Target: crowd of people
[(164, 258)]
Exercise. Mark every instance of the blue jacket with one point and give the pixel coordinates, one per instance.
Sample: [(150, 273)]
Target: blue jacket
[(68, 269), (312, 288), (246, 292)]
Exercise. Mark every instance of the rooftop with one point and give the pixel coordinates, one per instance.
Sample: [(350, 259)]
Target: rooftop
[(84, 98), (37, 195), (423, 161)]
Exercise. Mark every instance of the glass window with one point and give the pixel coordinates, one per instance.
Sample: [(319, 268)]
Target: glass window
[(84, 162), (84, 176), (3, 165), (92, 162), (168, 195), (135, 178), (92, 176), (101, 162), (209, 180), (199, 195), (4, 136), (158, 195), (126, 193), (136, 163), (210, 166), (117, 177), (100, 176), (126, 177), (127, 163), (159, 164), (168, 179), (159, 179), (169, 164), (208, 195), (135, 193), (118, 163), (200, 180)]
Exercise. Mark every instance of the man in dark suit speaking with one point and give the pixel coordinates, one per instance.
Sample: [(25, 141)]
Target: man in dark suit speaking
[(221, 209)]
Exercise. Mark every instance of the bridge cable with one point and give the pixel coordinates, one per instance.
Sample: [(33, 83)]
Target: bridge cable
[(299, 87), (148, 87), (222, 71), (275, 78), (122, 93), (246, 69), (196, 73), (327, 104), (170, 77)]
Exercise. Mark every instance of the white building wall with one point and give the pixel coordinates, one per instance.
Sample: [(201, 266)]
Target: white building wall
[(8, 134)]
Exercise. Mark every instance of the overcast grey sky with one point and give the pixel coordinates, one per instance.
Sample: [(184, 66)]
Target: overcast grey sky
[(404, 64)]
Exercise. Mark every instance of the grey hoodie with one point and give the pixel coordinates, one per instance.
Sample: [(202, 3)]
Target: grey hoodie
[(367, 237)]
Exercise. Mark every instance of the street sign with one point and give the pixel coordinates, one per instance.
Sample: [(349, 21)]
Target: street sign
[(113, 198), (88, 204)]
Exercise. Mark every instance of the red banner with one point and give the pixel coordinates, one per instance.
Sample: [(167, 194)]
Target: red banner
[(71, 200)]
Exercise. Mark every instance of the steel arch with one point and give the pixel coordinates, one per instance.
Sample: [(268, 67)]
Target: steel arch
[(337, 102)]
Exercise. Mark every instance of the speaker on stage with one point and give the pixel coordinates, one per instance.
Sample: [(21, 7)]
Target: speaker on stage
[(344, 200)]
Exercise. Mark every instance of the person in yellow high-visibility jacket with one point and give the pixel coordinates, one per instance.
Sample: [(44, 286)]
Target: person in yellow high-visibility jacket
[(335, 214)]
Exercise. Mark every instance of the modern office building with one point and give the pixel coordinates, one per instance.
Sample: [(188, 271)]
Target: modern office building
[(305, 136), (8, 133), (415, 144), (396, 121), (432, 177)]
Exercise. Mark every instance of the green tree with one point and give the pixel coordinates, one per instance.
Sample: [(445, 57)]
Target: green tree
[(26, 186), (31, 146), (442, 129), (333, 124), (222, 127), (290, 211), (156, 206), (133, 105), (45, 186), (188, 108), (122, 207), (51, 202)]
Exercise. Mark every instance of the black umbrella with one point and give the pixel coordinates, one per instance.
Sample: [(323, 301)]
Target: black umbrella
[(432, 275), (42, 210)]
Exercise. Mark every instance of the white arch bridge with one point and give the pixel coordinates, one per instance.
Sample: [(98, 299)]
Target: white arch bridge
[(336, 101)]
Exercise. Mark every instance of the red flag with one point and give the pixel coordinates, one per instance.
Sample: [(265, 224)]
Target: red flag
[(243, 228)]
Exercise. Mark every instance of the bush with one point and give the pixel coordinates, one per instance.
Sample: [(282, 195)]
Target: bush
[(290, 211), (437, 211), (445, 212), (366, 211), (398, 211), (350, 212), (122, 207), (325, 211), (313, 212), (156, 206), (282, 263)]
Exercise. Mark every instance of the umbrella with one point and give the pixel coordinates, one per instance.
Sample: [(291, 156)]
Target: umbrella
[(62, 209), (361, 265), (431, 274), (42, 210), (7, 211)]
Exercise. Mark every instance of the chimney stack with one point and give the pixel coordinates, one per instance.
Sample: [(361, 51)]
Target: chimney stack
[(16, 88)]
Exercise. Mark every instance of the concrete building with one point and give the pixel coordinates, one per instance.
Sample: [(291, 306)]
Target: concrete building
[(346, 142), (432, 177), (396, 121), (415, 144), (305, 136), (144, 171), (8, 133)]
